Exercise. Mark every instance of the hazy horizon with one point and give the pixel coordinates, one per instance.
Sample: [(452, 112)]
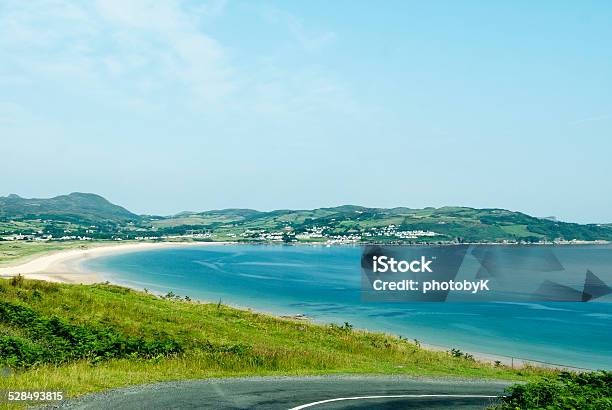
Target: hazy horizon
[(163, 107)]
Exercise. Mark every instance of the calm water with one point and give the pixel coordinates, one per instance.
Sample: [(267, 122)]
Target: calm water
[(324, 284)]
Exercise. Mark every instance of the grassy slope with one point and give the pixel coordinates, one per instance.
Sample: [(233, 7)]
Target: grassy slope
[(275, 346)]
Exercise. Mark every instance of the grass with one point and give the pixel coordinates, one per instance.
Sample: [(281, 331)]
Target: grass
[(519, 231), (206, 340)]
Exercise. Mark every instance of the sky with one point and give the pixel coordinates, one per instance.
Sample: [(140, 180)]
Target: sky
[(166, 106)]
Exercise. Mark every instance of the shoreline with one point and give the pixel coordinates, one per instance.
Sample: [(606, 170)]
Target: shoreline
[(65, 266)]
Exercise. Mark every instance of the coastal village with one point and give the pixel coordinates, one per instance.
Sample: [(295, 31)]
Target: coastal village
[(313, 234), (326, 235)]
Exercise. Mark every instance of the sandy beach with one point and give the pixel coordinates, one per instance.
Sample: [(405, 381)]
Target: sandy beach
[(66, 266)]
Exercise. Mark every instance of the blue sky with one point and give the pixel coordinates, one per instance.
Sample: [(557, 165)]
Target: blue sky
[(166, 106)]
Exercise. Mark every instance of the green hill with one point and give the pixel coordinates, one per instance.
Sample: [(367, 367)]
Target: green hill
[(75, 207), (456, 224), (74, 214)]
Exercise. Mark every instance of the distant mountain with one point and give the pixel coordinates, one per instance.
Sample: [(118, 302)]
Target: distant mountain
[(76, 207), (449, 223), (431, 225)]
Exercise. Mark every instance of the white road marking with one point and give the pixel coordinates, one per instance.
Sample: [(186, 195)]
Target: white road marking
[(398, 396)]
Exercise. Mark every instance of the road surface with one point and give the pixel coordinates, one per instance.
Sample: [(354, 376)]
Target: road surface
[(316, 393)]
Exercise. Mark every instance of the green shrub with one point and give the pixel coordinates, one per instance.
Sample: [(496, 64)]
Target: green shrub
[(566, 391), (53, 340), (19, 352), (346, 328), (17, 281), (459, 354)]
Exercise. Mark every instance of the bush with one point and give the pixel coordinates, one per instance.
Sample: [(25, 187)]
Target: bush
[(53, 340), (19, 352), (17, 281), (346, 328), (459, 354), (566, 391)]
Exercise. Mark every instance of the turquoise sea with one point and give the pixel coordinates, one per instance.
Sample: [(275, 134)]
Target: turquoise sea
[(324, 284)]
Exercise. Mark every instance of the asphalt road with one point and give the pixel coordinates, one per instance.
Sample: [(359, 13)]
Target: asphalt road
[(333, 392)]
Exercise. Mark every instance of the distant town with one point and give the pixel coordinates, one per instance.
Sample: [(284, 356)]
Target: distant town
[(389, 234)]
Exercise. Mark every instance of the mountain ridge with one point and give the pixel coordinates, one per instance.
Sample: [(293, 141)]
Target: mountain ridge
[(444, 224)]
